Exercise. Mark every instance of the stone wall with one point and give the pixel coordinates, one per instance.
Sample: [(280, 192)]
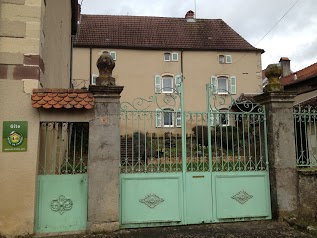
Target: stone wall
[(307, 192)]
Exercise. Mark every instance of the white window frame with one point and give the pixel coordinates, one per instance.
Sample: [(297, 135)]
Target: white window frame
[(170, 111), (160, 118), (174, 56), (228, 59), (216, 117), (221, 59), (227, 84), (93, 79), (167, 54), (113, 55), (231, 84), (167, 90), (220, 118), (224, 59)]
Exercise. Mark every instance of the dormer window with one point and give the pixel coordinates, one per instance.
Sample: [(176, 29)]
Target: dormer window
[(224, 59), (170, 56)]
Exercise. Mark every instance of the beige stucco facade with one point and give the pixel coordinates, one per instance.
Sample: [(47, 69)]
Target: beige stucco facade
[(35, 49), (135, 70)]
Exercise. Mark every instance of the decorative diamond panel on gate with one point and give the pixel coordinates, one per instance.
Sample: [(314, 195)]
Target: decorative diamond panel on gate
[(219, 157)]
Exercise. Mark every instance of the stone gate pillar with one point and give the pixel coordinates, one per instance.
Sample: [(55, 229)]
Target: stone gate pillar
[(281, 144), (104, 146)]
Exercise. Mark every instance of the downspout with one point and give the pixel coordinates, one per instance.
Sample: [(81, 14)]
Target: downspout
[(182, 50), (90, 67), (71, 62)]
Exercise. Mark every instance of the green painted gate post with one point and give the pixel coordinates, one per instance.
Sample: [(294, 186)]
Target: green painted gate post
[(281, 150), (104, 152)]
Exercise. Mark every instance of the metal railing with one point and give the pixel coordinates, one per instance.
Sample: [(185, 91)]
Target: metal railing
[(232, 141), (305, 127), (63, 148)]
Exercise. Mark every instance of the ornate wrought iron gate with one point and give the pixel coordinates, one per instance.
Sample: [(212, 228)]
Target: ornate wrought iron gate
[(181, 167), (62, 177)]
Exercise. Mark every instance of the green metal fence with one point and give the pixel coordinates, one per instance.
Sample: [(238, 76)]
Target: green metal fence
[(305, 127), (63, 148), (169, 139)]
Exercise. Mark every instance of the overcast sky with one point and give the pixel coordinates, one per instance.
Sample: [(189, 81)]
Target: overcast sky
[(295, 36)]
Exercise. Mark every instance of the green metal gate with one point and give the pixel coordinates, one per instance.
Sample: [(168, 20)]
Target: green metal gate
[(62, 177), (180, 167)]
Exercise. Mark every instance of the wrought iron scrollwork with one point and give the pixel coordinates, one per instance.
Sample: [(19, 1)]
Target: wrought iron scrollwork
[(224, 100), (160, 100)]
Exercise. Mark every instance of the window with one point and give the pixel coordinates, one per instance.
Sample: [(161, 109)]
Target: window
[(224, 119), (166, 84), (174, 56), (220, 84), (113, 55), (167, 56), (170, 56), (168, 118), (220, 117), (224, 59), (93, 79)]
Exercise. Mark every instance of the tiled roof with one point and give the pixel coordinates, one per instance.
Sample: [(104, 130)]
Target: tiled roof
[(158, 33), (62, 98), (301, 75), (309, 102)]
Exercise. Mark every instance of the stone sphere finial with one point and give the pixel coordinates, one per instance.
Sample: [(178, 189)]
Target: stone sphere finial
[(273, 73), (105, 65)]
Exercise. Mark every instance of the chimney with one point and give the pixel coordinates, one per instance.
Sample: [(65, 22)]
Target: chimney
[(286, 66), (190, 16)]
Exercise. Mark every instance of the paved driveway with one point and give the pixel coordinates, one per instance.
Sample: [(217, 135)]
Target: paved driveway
[(252, 229)]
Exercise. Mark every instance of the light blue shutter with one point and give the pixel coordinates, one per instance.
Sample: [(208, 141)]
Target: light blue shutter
[(178, 118), (213, 117), (157, 83), (228, 59), (178, 81), (213, 82), (158, 118), (233, 85)]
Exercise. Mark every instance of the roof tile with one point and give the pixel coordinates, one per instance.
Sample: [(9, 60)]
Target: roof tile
[(36, 98), (158, 33), (62, 98), (300, 75), (46, 106)]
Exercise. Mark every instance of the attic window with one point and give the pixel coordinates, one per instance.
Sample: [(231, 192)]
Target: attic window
[(170, 56), (167, 56), (224, 59)]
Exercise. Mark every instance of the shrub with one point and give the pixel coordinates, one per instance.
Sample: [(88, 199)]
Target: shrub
[(201, 133)]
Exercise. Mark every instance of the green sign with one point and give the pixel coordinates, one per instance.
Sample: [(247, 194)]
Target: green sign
[(14, 136)]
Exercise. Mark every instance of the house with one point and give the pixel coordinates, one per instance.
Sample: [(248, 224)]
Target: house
[(35, 52), (153, 54), (304, 82)]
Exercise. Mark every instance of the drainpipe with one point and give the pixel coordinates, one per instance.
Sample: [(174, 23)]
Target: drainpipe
[(182, 61), (71, 62), (90, 69)]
